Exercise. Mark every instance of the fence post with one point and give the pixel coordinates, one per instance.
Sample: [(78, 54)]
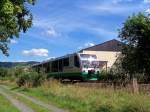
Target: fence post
[(135, 86)]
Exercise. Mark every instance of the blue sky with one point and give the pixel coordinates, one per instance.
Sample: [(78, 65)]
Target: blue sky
[(66, 26)]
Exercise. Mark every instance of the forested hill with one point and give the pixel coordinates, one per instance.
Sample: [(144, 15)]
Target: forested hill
[(14, 64)]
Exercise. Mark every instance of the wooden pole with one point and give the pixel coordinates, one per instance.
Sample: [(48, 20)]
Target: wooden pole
[(135, 86)]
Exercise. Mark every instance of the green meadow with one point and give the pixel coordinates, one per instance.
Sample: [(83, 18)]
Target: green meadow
[(82, 99)]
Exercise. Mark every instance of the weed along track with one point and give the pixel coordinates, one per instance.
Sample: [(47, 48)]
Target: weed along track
[(19, 105), (48, 107), (78, 99)]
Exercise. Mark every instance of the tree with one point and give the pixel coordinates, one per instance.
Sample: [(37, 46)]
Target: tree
[(136, 51), (14, 18)]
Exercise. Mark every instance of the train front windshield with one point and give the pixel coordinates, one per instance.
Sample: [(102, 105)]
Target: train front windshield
[(90, 64), (89, 61), (88, 56)]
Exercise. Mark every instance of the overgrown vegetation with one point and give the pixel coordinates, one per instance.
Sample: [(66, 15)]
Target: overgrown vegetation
[(135, 34), (134, 61), (76, 98), (81, 99), (31, 79), (23, 76)]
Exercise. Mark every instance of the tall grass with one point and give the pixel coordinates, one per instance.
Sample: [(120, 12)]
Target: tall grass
[(81, 99)]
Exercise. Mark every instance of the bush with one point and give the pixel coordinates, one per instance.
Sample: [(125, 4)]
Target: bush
[(108, 76), (114, 77), (18, 71), (10, 73), (3, 72), (31, 79)]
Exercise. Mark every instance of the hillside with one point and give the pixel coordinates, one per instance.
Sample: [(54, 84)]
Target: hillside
[(14, 64)]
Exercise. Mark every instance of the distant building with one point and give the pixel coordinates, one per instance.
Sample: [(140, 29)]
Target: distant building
[(107, 52)]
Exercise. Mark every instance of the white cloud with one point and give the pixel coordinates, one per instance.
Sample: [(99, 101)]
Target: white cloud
[(44, 23), (50, 58), (148, 11), (40, 24), (146, 1), (12, 41), (86, 45), (36, 52), (89, 44), (79, 48), (51, 32), (59, 28), (48, 28)]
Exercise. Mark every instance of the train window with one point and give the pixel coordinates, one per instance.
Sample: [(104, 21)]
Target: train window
[(76, 61), (44, 68), (66, 62), (88, 56), (60, 65), (55, 66), (48, 67)]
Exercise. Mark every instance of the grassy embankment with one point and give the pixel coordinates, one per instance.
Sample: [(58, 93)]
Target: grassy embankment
[(6, 106), (81, 99), (30, 104)]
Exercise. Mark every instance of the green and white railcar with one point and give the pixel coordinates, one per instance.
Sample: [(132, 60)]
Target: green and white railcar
[(75, 66)]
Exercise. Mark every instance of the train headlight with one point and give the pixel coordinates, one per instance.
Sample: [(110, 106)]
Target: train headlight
[(82, 70)]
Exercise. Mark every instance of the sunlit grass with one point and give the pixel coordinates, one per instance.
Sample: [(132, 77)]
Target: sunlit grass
[(35, 107), (6, 106), (81, 99)]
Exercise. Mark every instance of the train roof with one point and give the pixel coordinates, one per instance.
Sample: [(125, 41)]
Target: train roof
[(53, 59)]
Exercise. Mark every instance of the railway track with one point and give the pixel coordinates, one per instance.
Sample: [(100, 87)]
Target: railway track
[(93, 84)]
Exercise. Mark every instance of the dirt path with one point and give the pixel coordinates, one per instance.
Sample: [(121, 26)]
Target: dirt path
[(38, 102), (19, 105)]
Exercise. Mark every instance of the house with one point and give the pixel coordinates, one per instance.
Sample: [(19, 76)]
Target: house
[(107, 52)]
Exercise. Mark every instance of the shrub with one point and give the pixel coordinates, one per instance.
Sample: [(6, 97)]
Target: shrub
[(37, 78), (22, 79), (108, 76), (31, 79), (3, 72), (114, 77), (18, 71)]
